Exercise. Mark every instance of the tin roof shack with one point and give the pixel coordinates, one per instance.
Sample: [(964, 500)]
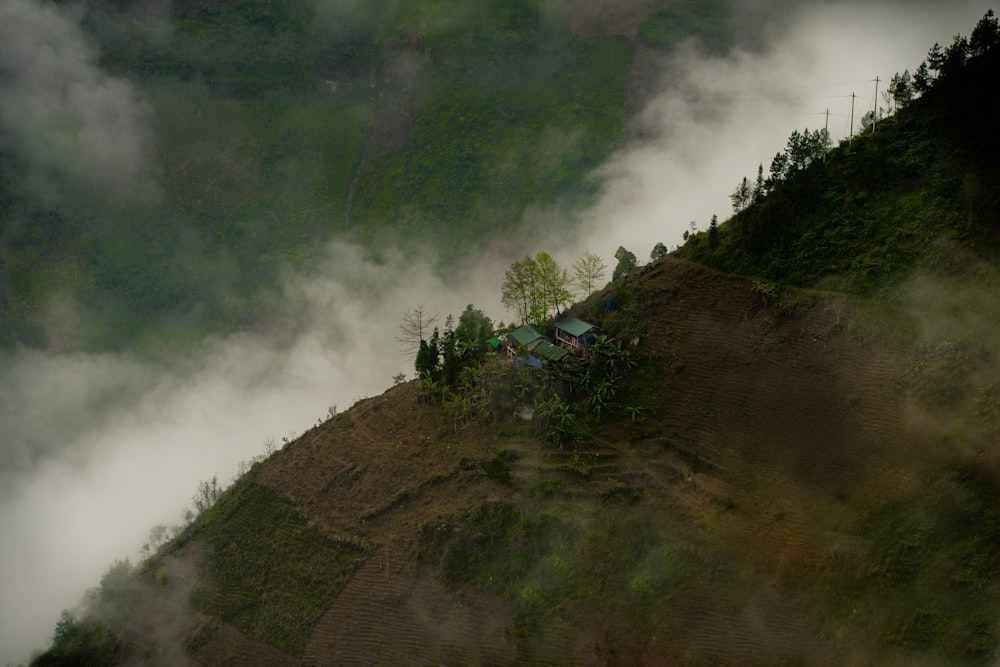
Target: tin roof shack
[(525, 336), (574, 333), (539, 348), (548, 352)]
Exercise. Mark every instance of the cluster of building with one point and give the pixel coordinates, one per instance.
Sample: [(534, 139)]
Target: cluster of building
[(528, 345)]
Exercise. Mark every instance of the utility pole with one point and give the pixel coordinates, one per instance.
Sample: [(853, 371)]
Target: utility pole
[(826, 135), (875, 114), (850, 139)]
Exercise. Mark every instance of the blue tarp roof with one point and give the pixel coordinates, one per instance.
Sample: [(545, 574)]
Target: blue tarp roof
[(530, 360)]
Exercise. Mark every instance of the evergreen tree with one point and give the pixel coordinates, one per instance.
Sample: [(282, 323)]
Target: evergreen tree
[(985, 35), (935, 59), (741, 196), (955, 56), (901, 89), (922, 79), (427, 363), (451, 360), (779, 169), (659, 250), (759, 187)]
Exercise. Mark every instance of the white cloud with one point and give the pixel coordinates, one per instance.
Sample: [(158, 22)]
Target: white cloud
[(125, 442), (75, 128), (132, 439)]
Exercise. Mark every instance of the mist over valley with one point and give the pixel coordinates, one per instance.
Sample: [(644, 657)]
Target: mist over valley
[(213, 217)]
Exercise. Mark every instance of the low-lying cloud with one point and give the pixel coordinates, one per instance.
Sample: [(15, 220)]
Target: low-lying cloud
[(75, 130), (106, 446), (123, 443)]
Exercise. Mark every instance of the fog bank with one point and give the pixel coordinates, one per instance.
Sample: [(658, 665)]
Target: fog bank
[(129, 461), (106, 446)]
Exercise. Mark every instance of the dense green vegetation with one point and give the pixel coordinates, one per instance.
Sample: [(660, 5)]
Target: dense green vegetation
[(703, 21), (254, 541), (921, 580), (81, 642), (549, 564), (277, 126), (913, 190), (929, 574)]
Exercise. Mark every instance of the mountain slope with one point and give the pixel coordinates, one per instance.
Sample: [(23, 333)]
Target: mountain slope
[(787, 476), (907, 194), (786, 499)]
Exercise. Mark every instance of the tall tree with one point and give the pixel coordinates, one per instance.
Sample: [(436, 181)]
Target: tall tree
[(518, 290), (935, 59), (922, 79), (473, 325), (588, 270), (554, 283), (741, 196), (428, 364), (901, 89), (985, 35), (659, 250), (779, 169), (759, 187), (955, 56), (626, 263)]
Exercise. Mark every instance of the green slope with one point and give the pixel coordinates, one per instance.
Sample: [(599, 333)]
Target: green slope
[(919, 190)]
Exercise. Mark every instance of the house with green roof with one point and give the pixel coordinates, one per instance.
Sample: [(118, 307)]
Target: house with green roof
[(525, 336), (539, 347), (573, 333)]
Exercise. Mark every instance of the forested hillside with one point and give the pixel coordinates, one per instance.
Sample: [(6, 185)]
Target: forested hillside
[(219, 145), (916, 190)]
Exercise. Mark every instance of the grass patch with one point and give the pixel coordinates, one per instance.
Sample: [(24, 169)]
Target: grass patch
[(553, 569), (704, 21), (266, 570), (498, 469), (491, 546)]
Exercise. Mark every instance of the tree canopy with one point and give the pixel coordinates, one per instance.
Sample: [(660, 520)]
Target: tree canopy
[(536, 287), (588, 270), (626, 263)]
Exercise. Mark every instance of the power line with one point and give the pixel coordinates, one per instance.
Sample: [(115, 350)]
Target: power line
[(814, 85)]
